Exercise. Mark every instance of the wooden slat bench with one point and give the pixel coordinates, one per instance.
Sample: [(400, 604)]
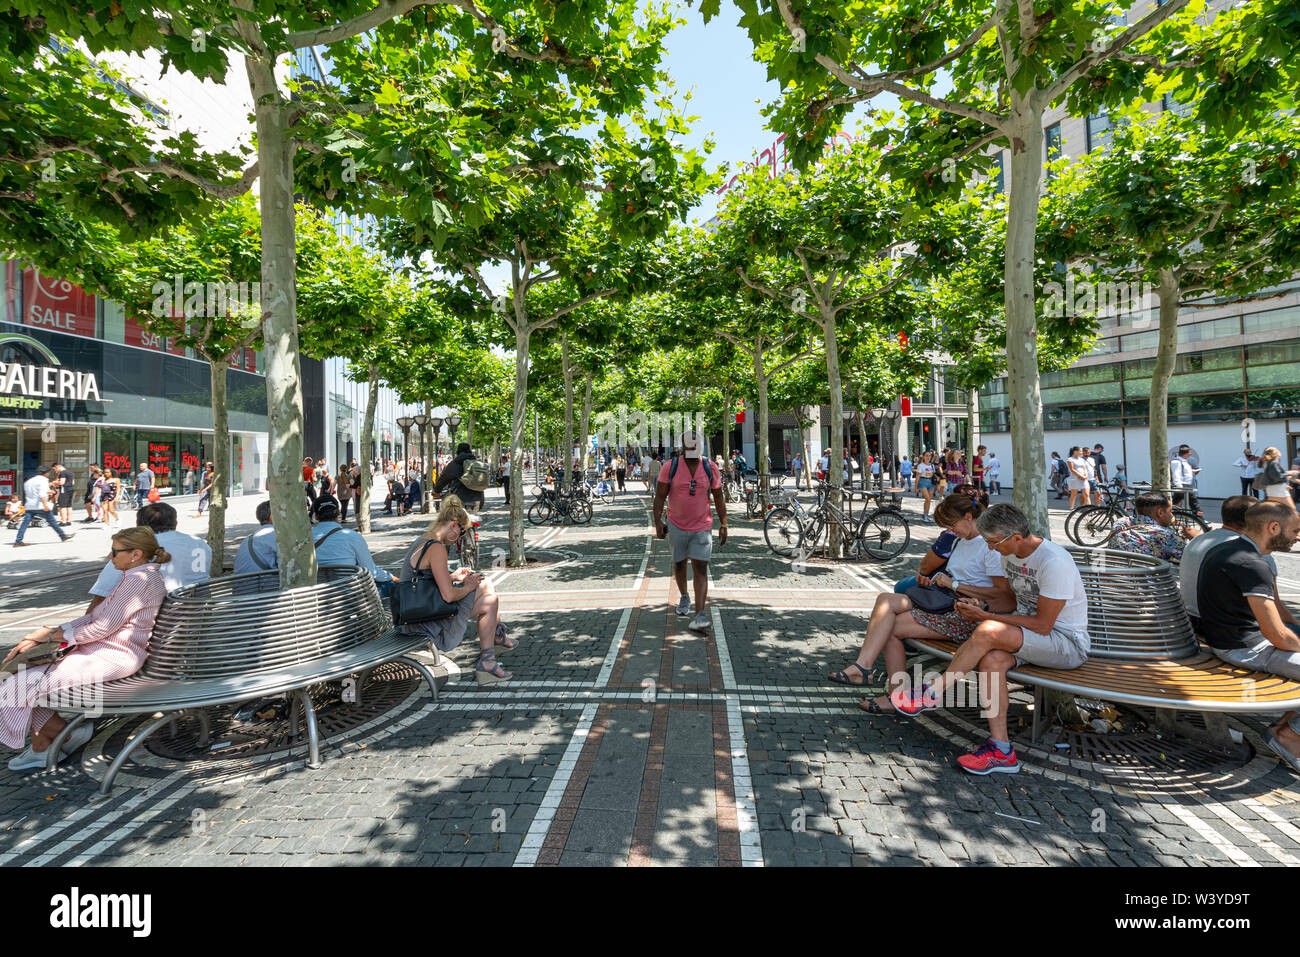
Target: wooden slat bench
[(239, 638), (1143, 649)]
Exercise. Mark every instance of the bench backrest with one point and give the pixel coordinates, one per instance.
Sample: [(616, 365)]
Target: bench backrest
[(245, 625), (1135, 610)]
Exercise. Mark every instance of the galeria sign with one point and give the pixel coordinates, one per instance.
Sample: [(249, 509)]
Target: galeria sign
[(47, 382)]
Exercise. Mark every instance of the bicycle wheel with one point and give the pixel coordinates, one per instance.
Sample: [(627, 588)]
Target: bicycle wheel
[(783, 531), (1185, 517), (540, 512), (581, 513), (1072, 519), (883, 535), (1094, 528)]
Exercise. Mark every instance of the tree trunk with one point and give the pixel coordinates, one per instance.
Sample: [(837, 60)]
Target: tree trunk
[(469, 429), (220, 466), (585, 437), (1030, 469), (1166, 356), (567, 370), (728, 420), (805, 439), (837, 419), (760, 436), (280, 327), (368, 450), (517, 437)]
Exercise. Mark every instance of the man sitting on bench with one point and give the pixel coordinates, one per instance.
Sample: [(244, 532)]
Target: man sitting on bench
[(1241, 618), (1048, 629), (1153, 532)]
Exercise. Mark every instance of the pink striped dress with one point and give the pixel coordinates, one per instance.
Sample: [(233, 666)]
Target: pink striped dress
[(111, 642)]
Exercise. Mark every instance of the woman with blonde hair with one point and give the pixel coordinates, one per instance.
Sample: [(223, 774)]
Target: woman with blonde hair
[(1275, 477), (110, 642), (472, 593)]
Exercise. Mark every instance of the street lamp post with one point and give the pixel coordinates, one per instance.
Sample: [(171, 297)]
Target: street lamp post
[(421, 421), (453, 422), (436, 422), (404, 423)]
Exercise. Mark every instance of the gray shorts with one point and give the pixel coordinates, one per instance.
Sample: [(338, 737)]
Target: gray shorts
[(696, 545), (1060, 649), (1266, 657)]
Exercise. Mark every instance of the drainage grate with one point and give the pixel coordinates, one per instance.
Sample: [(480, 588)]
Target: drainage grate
[(237, 734)]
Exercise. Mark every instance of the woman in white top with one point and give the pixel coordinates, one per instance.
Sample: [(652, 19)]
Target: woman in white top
[(1078, 477), (973, 572), (925, 483), (1278, 488)]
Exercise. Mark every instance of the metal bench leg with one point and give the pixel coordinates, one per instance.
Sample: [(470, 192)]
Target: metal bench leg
[(205, 727), (428, 676), (293, 715), (52, 753), (313, 736), (122, 757), (1040, 702)]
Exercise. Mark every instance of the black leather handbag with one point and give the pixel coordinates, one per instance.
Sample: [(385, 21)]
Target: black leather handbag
[(419, 599), (932, 599)]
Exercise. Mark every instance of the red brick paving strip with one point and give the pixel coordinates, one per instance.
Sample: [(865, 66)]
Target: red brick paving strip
[(558, 835), (724, 788), (647, 809)]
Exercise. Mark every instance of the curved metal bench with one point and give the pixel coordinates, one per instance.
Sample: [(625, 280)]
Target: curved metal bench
[(1144, 651), (239, 638)]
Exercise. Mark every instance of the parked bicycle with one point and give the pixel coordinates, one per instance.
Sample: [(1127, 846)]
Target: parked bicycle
[(882, 533), (555, 506), (1091, 526)]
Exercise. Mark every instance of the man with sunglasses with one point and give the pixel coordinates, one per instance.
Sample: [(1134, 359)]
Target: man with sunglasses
[(1049, 628), (686, 484)]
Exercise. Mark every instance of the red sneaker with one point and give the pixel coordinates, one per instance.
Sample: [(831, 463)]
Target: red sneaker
[(913, 701), (989, 760)]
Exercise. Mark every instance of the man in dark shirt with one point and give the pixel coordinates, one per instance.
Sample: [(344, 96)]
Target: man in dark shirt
[(1100, 461), (1241, 618), (449, 479)]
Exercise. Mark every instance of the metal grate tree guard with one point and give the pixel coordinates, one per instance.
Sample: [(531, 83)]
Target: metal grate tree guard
[(1135, 610)]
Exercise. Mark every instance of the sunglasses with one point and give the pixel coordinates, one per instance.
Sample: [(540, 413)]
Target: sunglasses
[(118, 551), (693, 486), (996, 544)]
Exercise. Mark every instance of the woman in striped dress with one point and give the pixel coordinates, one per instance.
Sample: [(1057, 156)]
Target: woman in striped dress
[(110, 642)]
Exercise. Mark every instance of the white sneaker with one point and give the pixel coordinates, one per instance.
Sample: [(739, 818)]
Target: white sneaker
[(700, 623), (27, 760), (684, 607), (78, 738)]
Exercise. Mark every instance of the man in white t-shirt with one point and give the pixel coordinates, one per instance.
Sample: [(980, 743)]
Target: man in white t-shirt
[(191, 560), (1049, 629), (37, 501), (1248, 463)]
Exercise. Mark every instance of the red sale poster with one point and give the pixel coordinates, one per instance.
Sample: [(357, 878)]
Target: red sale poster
[(138, 335), (57, 305), (8, 479)]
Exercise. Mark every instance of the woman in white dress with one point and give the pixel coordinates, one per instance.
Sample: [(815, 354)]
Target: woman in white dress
[(1078, 481)]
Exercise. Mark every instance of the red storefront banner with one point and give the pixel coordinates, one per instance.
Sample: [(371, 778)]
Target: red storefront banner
[(138, 335), (57, 305), (8, 482), (250, 361)]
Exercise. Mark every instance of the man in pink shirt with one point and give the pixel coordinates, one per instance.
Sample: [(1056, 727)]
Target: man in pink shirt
[(685, 483)]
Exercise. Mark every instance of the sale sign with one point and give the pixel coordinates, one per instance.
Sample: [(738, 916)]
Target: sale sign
[(138, 335), (57, 305)]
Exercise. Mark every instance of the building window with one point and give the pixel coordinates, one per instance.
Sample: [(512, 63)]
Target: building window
[(1052, 144), (1099, 127)]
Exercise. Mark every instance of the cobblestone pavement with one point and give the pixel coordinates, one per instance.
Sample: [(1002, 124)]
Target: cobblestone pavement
[(626, 739)]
